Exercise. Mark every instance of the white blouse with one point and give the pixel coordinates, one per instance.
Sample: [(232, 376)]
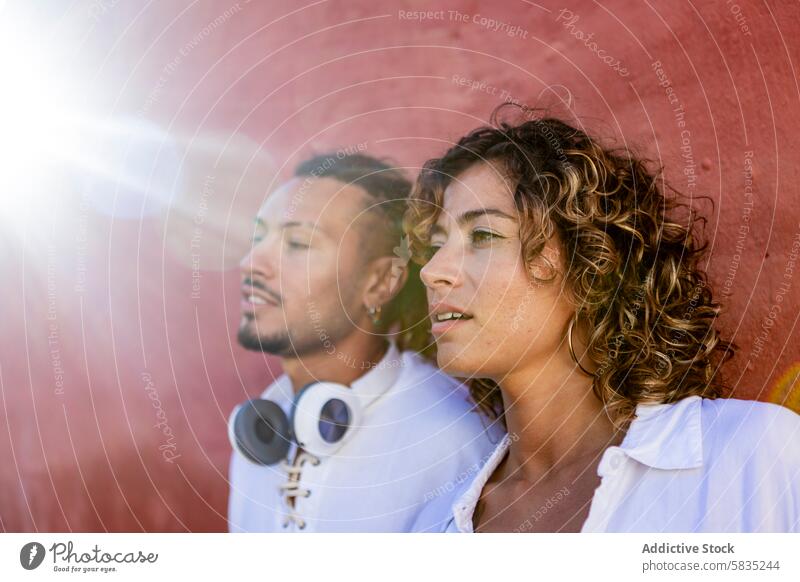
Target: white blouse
[(697, 465)]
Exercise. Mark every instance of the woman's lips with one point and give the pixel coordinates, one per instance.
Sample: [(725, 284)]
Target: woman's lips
[(446, 316), (440, 327)]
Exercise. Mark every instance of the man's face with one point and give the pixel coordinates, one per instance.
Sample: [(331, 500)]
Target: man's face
[(301, 280)]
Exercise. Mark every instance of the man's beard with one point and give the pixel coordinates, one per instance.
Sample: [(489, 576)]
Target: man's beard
[(278, 344), (281, 344)]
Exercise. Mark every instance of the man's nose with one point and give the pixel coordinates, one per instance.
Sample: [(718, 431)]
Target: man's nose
[(259, 259)]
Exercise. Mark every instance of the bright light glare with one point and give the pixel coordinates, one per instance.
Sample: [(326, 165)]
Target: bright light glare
[(37, 128), (52, 145)]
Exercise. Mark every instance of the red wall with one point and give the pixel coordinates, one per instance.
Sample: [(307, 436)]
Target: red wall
[(102, 316)]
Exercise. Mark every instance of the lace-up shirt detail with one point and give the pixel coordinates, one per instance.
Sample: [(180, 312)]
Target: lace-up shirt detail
[(292, 489)]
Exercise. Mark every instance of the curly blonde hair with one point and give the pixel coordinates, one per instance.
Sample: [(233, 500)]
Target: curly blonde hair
[(634, 272)]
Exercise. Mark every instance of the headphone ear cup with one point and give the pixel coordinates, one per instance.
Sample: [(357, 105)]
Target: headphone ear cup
[(324, 416), (259, 430), (335, 420)]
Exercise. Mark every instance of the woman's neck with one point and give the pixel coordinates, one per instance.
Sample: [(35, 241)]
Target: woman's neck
[(554, 420)]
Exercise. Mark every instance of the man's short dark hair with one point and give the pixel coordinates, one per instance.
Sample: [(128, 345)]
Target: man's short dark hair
[(386, 186)]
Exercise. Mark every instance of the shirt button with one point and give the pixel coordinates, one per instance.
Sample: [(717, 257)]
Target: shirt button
[(616, 461)]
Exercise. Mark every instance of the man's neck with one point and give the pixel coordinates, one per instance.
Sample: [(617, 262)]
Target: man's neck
[(343, 362)]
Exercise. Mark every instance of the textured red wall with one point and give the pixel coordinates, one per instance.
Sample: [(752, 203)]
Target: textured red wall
[(119, 364)]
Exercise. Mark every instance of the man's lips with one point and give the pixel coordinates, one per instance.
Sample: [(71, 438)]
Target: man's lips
[(255, 295)]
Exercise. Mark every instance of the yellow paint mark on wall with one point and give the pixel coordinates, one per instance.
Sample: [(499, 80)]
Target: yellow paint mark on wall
[(786, 390)]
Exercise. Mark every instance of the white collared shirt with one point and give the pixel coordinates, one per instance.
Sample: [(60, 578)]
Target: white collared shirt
[(413, 440), (697, 465)]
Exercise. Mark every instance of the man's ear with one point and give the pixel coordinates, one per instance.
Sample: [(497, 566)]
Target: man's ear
[(386, 278)]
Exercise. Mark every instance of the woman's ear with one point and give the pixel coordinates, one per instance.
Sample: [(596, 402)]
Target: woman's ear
[(386, 278), (547, 266)]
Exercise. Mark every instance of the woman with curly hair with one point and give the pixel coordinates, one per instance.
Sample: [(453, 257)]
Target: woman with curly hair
[(564, 287)]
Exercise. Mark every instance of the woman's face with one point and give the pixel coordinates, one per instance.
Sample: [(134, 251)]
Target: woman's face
[(489, 317)]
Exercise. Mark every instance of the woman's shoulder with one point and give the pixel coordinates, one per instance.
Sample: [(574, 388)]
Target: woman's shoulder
[(727, 413), (750, 429), (449, 508)]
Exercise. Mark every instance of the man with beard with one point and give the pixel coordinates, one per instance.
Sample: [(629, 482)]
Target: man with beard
[(361, 431)]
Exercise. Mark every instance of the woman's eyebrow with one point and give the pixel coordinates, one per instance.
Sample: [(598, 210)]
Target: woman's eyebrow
[(471, 215)]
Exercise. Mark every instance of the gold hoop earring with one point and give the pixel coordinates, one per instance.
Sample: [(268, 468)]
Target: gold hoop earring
[(572, 350)]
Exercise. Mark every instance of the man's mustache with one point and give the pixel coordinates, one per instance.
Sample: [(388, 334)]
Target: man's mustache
[(263, 288)]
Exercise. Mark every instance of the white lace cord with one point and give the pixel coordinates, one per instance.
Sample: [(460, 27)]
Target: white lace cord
[(292, 489)]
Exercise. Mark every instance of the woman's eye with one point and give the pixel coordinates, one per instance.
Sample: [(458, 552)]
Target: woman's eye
[(297, 245), (483, 236)]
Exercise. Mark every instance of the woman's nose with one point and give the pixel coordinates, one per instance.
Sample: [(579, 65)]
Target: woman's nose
[(443, 269)]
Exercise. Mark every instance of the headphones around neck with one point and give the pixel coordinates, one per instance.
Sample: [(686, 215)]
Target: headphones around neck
[(324, 416)]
